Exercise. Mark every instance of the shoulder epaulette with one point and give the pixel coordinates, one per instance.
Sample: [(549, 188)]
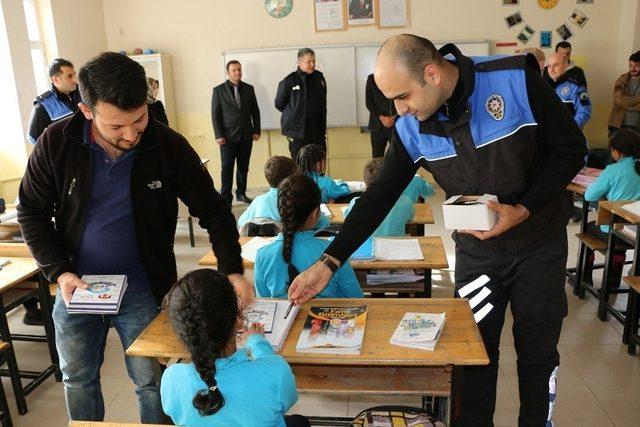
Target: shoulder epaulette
[(40, 98), (515, 62)]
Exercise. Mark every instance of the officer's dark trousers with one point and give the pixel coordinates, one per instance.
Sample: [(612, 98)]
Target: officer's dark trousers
[(379, 139), (532, 280), (295, 145), (230, 153)]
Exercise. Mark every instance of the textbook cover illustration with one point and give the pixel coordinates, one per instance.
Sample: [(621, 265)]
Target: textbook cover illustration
[(270, 312), (419, 330), (103, 296), (333, 330), (261, 311)]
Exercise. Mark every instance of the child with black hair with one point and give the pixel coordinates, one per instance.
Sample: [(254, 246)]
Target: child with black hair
[(618, 181), (312, 162), (223, 386), (276, 169), (296, 248)]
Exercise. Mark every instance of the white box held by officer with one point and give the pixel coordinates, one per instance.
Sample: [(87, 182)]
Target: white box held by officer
[(469, 213)]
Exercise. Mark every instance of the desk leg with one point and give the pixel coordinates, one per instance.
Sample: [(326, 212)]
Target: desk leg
[(608, 265), (12, 364), (631, 321), (49, 330), (455, 401), (192, 239), (427, 283), (577, 278)]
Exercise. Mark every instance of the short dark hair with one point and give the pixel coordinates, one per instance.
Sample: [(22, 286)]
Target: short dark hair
[(55, 68), (415, 53), (371, 170), (305, 51), (635, 57), (113, 78), (230, 63), (563, 45), (627, 142), (277, 168)]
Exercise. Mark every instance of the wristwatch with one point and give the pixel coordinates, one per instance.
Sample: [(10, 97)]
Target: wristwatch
[(326, 260)]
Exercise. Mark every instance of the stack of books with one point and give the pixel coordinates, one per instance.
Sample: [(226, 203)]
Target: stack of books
[(103, 296), (587, 176), (333, 330), (419, 330)]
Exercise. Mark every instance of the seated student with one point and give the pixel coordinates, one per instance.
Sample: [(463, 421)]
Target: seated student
[(418, 187), (312, 162), (401, 213), (296, 248), (276, 169), (222, 386), (618, 181)]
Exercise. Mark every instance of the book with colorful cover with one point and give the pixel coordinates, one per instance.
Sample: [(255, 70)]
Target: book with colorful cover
[(587, 176), (419, 330), (333, 330), (103, 296)]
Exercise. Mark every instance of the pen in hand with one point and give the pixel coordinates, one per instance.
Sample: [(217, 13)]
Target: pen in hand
[(286, 314)]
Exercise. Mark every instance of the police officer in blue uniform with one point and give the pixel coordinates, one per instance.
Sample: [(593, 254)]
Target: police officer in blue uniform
[(58, 102), (573, 94), (481, 125)]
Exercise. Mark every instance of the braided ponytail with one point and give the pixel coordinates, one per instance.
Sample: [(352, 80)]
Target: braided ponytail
[(308, 158), (298, 196), (627, 143), (203, 310)]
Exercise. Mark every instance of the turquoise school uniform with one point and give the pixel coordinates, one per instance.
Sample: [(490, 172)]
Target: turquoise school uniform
[(271, 274), (257, 391), (329, 189), (618, 181), (266, 206), (396, 220), (418, 187)]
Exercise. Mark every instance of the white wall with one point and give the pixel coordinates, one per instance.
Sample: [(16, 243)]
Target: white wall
[(79, 29)]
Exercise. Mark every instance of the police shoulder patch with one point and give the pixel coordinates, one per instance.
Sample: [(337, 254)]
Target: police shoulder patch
[(565, 90), (495, 106)]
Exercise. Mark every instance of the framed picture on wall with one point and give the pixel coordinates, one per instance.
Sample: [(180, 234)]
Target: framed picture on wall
[(510, 2), (545, 39), (329, 15), (564, 32), (393, 13), (361, 12), (584, 1)]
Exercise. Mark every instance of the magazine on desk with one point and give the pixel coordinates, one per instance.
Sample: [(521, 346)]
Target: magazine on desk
[(587, 176), (103, 296), (333, 330)]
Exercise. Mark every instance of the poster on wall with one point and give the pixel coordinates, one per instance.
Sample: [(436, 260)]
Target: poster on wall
[(526, 34), (329, 15), (564, 32), (513, 19), (510, 2), (361, 12), (545, 39), (578, 18), (393, 13), (584, 1)]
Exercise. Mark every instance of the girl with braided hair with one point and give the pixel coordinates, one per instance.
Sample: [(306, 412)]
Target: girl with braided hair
[(312, 162), (222, 386), (296, 248)]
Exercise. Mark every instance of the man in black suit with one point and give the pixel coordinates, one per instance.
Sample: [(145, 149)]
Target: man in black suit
[(360, 9), (382, 116), (236, 124)]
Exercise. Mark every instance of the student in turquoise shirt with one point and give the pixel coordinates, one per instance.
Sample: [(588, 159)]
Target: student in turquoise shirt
[(418, 187), (223, 386), (276, 169), (618, 181), (295, 249), (312, 162), (399, 215)]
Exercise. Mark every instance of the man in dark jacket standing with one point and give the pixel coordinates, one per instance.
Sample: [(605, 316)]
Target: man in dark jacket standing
[(236, 124), (302, 99), (111, 178), (382, 116)]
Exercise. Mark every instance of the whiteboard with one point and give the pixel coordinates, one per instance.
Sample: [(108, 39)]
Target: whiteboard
[(345, 68)]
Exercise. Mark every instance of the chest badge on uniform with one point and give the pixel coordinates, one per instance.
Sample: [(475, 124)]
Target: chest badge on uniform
[(495, 106), (565, 90), (155, 185)]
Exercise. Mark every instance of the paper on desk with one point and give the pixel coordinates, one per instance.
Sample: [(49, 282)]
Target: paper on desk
[(324, 209), (250, 249), (9, 216), (397, 249), (634, 208), (4, 261), (355, 186)]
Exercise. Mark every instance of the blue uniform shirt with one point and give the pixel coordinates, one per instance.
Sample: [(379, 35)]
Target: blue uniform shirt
[(266, 206), (618, 181), (271, 274), (418, 187), (396, 220), (257, 392), (328, 188), (576, 99)]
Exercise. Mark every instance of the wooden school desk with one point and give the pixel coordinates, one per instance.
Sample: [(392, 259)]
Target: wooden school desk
[(23, 268), (10, 227), (612, 213), (381, 368), (432, 251), (423, 215)]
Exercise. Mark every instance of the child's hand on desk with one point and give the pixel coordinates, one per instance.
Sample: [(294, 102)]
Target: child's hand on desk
[(68, 282), (508, 217), (254, 328)]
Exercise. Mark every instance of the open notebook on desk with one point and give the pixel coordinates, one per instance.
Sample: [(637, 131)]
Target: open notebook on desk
[(388, 250), (272, 316)]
